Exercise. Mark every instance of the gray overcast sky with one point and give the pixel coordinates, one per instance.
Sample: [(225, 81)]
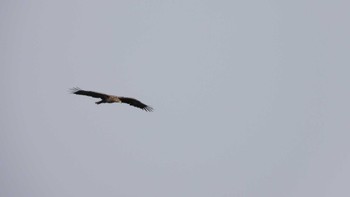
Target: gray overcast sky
[(251, 98)]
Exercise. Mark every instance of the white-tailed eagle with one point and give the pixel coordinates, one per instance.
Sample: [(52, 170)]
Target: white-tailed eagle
[(105, 98)]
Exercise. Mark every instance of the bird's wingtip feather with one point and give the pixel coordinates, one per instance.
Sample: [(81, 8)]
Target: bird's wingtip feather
[(74, 90), (148, 109)]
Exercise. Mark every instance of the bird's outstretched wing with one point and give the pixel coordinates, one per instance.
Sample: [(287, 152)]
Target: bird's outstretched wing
[(79, 91), (135, 103)]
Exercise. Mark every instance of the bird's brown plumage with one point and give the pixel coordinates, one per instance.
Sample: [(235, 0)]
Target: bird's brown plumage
[(105, 98)]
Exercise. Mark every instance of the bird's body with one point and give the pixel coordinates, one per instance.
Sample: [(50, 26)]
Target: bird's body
[(105, 98), (110, 99)]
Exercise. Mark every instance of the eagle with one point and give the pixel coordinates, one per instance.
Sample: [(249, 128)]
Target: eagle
[(105, 98)]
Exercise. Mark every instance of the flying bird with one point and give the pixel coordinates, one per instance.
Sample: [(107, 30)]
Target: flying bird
[(105, 98)]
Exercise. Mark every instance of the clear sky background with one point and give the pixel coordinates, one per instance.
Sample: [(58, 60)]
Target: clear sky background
[(251, 98)]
